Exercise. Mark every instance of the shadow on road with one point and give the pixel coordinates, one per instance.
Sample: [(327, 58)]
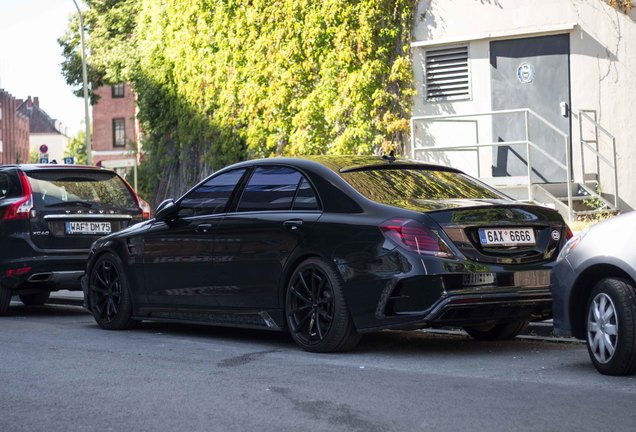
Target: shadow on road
[(17, 309), (395, 343)]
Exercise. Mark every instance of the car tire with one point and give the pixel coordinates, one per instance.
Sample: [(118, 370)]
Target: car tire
[(109, 295), (496, 330), (611, 326), (36, 299), (317, 315), (5, 300)]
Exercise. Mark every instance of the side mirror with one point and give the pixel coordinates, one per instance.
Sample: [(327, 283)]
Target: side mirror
[(166, 210)]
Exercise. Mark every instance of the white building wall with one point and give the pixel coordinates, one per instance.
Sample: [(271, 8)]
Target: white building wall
[(602, 72), (55, 142)]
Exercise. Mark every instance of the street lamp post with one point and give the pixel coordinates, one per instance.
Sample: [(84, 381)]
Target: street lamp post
[(89, 156)]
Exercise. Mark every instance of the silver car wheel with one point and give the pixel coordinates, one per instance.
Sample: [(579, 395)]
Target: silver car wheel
[(602, 328)]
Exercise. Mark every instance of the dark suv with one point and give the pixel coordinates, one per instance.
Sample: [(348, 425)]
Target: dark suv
[(49, 216)]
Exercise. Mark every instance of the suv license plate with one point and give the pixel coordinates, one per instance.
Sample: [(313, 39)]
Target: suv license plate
[(88, 228), (507, 237)]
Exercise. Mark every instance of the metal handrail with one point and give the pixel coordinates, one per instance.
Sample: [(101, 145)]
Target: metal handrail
[(612, 164), (529, 144)]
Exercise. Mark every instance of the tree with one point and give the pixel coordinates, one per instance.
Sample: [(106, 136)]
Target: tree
[(76, 148), (221, 81), (34, 156), (624, 5)]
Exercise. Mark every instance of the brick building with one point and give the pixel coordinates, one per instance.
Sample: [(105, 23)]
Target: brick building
[(43, 130), (115, 131), (14, 131)]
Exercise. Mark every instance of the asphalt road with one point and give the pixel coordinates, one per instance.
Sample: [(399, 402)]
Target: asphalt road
[(60, 372)]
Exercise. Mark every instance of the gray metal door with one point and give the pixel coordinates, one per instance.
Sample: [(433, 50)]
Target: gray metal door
[(531, 73)]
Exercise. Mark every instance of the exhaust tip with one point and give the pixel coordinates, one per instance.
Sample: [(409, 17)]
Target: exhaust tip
[(40, 277)]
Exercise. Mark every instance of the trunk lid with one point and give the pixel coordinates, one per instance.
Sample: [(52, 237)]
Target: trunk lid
[(504, 233), (73, 208)]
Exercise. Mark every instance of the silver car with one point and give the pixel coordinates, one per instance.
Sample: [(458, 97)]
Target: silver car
[(594, 293)]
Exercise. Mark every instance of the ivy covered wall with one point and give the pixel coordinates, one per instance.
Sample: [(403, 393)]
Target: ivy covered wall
[(224, 80)]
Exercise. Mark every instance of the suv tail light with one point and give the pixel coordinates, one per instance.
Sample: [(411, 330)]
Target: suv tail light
[(21, 209), (415, 237), (21, 271), (568, 233)]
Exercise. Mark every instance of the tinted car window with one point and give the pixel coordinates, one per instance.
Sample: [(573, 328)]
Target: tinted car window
[(212, 196), (406, 187), (270, 188), (305, 197), (100, 188), (4, 185)]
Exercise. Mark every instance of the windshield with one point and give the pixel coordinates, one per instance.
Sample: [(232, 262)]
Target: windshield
[(80, 188), (410, 188)]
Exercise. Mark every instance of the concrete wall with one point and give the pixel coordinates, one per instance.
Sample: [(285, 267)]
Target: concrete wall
[(602, 70)]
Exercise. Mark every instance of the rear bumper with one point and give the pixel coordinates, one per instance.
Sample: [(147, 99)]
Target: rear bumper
[(459, 299), (467, 308), (471, 307), (45, 273)]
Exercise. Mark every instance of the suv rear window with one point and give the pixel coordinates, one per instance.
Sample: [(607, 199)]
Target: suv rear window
[(402, 186), (99, 188)]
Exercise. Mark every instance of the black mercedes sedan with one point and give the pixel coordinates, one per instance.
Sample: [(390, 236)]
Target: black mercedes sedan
[(329, 247)]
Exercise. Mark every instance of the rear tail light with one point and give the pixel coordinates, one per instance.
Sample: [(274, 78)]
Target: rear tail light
[(143, 205), (21, 209), (568, 233), (145, 208), (18, 271), (415, 237)]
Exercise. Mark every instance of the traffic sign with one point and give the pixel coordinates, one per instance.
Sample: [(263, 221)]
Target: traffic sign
[(69, 160), (44, 160), (44, 148)]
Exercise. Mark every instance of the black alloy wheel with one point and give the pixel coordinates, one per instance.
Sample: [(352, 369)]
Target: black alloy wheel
[(611, 326), (317, 314), (108, 294), (36, 299), (495, 330)]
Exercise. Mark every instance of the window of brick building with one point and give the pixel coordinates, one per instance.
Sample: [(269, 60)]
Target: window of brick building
[(118, 90), (119, 132)]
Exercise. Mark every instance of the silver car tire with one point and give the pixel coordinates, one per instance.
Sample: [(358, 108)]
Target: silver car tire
[(611, 326)]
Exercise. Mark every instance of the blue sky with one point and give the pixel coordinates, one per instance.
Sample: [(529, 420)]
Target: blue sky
[(30, 64)]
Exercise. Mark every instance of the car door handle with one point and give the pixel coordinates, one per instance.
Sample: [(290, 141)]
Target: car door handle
[(293, 224), (203, 228)]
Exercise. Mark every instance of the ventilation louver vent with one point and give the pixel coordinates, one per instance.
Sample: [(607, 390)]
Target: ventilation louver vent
[(447, 75)]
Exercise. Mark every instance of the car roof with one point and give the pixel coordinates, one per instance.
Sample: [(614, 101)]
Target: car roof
[(345, 163), (39, 167)]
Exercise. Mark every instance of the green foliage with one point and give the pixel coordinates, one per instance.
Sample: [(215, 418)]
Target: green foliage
[(76, 148), (34, 156), (224, 80), (624, 5)]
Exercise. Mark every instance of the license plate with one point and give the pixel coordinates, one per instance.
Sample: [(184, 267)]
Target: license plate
[(507, 237), (88, 228)]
